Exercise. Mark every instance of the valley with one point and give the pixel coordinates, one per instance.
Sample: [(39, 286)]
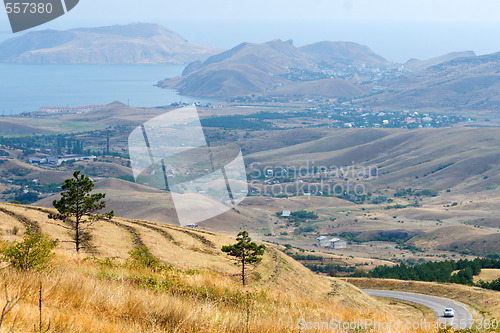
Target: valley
[(391, 193)]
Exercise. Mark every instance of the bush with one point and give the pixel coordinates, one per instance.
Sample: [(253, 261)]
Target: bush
[(33, 253), (303, 214), (141, 257), (427, 193), (379, 200), (309, 228), (15, 230)]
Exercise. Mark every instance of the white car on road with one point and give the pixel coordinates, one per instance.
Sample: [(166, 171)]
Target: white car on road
[(449, 312)]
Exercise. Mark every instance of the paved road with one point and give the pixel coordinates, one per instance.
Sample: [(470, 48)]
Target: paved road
[(462, 319)]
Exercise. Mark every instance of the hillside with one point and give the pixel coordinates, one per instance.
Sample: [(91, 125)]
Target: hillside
[(131, 200), (456, 163), (325, 88), (264, 68), (459, 164), (409, 158), (7, 128), (120, 44), (196, 289), (460, 237), (418, 65), (345, 53), (469, 83), (114, 114)]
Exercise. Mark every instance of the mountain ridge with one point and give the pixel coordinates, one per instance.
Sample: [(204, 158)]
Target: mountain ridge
[(466, 83), (138, 43), (262, 68)]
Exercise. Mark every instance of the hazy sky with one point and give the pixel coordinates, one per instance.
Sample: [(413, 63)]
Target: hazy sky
[(396, 29)]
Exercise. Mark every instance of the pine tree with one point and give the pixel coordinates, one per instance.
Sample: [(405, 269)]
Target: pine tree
[(78, 206), (245, 251)]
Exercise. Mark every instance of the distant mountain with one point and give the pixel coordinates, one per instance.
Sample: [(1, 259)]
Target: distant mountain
[(464, 83), (265, 69), (345, 53), (418, 65), (120, 44)]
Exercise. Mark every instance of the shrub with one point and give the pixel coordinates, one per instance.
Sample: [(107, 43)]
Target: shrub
[(141, 257), (15, 230), (303, 214), (309, 228), (379, 200), (33, 253)]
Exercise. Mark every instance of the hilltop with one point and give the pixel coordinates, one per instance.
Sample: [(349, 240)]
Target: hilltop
[(138, 43)]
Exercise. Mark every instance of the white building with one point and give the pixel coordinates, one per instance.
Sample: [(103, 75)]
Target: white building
[(333, 243), (337, 243), (59, 159), (76, 158), (38, 159), (322, 241), (286, 213)]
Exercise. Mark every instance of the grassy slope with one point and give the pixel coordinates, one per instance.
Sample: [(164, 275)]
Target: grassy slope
[(200, 292)]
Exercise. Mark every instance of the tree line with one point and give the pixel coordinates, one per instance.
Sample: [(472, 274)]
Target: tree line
[(461, 272)]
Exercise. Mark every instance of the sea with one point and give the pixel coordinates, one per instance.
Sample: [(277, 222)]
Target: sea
[(26, 88)]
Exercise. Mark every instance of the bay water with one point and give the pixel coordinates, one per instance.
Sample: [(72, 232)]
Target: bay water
[(27, 87)]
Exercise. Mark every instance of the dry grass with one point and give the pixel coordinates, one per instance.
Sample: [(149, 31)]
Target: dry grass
[(413, 312), (199, 292), (80, 296), (488, 275)]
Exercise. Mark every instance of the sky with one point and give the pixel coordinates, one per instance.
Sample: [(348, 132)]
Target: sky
[(396, 29)]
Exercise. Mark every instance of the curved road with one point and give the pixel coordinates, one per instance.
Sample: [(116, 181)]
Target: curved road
[(462, 319)]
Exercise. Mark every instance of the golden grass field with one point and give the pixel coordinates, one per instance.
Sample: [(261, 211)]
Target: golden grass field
[(199, 292)]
